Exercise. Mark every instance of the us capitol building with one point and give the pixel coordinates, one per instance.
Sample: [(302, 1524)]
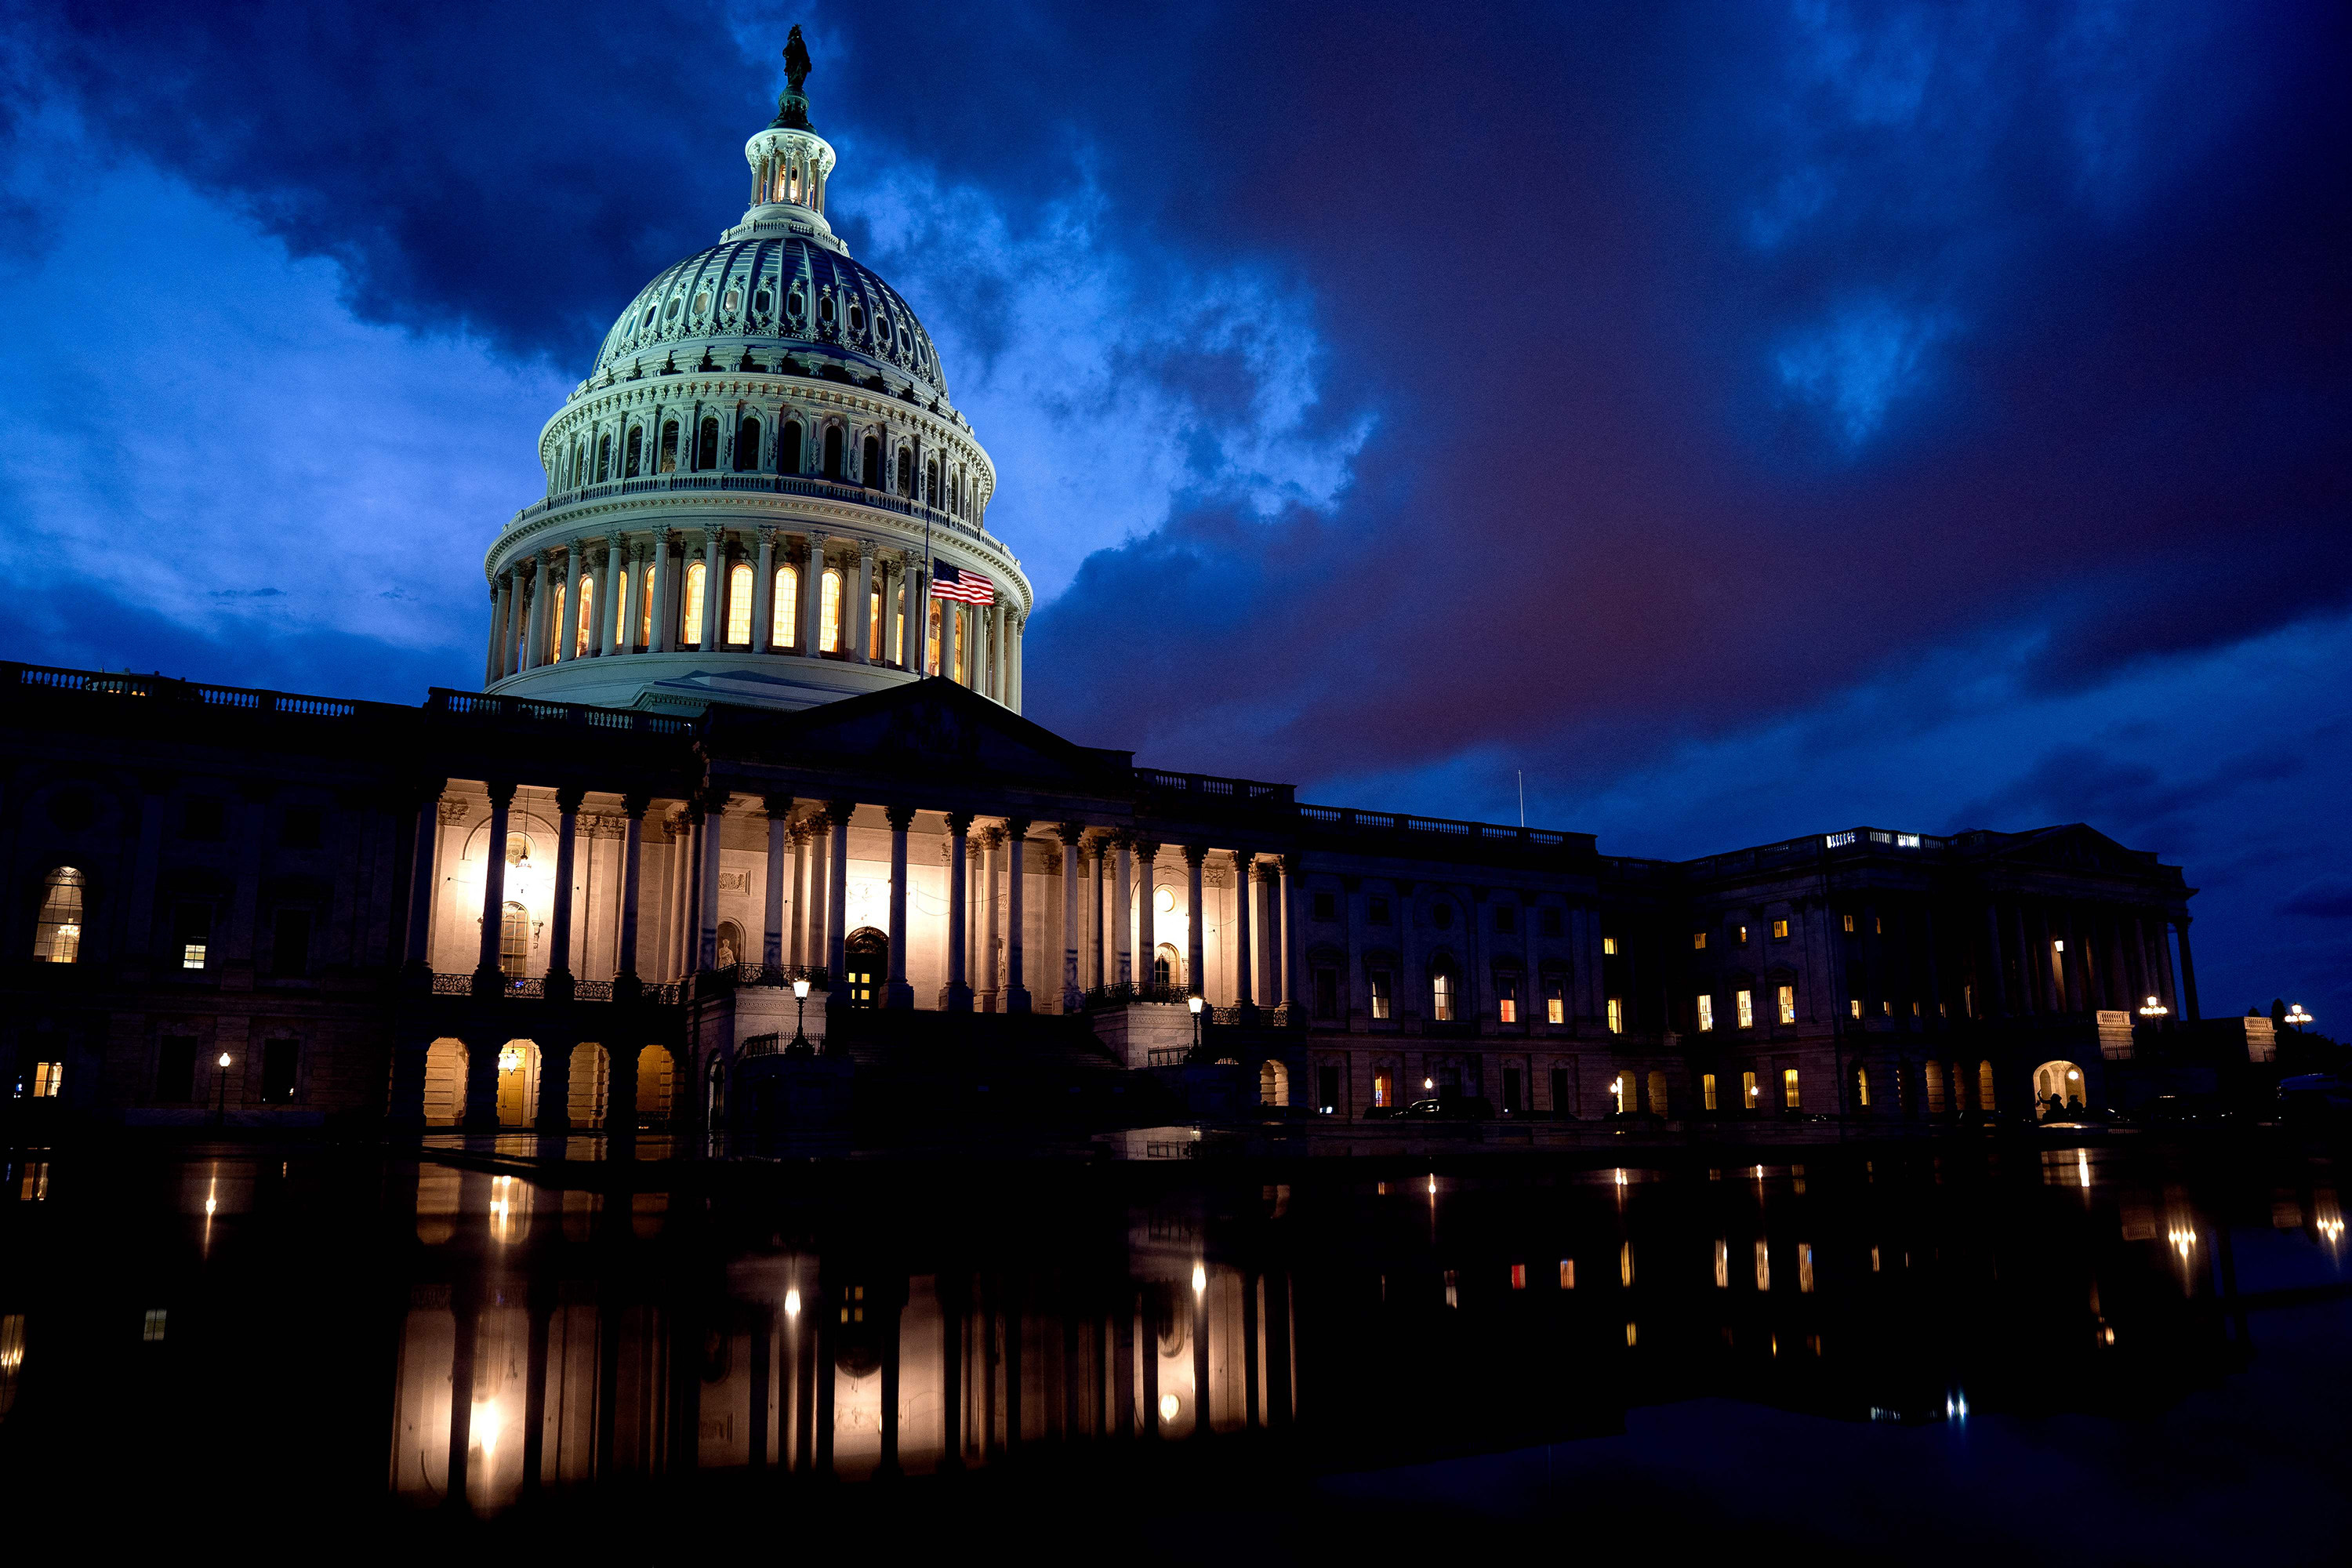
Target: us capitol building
[(750, 725)]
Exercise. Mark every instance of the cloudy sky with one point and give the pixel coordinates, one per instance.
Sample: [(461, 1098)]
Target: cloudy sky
[(1741, 420)]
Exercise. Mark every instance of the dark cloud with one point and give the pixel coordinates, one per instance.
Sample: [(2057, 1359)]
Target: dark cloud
[(2326, 899)]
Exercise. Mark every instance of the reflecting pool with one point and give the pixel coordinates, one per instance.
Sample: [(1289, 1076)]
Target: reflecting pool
[(2132, 1351)]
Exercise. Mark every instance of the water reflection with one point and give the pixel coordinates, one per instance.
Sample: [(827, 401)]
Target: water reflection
[(505, 1330)]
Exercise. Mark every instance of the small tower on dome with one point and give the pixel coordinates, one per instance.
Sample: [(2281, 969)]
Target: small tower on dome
[(790, 164)]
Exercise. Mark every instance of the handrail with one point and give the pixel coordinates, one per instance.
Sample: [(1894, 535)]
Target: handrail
[(481, 705), (165, 688), (768, 484)]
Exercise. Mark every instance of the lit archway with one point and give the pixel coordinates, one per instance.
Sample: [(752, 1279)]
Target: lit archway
[(517, 1082), (588, 1089), (1272, 1084), (654, 1076), (2066, 1082), (445, 1083)]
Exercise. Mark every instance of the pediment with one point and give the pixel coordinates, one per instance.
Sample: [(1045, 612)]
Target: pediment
[(931, 728), (2076, 847)]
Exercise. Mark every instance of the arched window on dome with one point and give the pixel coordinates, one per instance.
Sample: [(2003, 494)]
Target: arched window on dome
[(833, 452), (706, 447), (905, 470), (829, 616), (874, 621), (689, 627), (747, 446), (786, 624), (788, 449), (669, 447), (56, 936), (620, 611), (587, 617), (871, 477), (555, 627), (646, 609), (930, 484), (739, 606), (633, 456), (604, 456)]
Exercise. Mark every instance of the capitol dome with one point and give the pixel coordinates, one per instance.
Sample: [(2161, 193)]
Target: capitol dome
[(761, 493)]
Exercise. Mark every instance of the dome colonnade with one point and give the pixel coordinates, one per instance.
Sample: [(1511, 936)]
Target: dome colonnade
[(751, 495)]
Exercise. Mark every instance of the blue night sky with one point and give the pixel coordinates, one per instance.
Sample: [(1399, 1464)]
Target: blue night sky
[(1746, 419)]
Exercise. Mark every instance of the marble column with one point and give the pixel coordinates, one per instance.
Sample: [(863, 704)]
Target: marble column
[(779, 808), (534, 646), (559, 923), (820, 843), (1122, 891), (813, 596), (665, 630), (423, 876), (799, 957), (1992, 988), (1245, 883), (1073, 836), (862, 617), (494, 887), (632, 861), (714, 819), (1099, 967), (1016, 989), (563, 611), (714, 586), (992, 950), (612, 620), (764, 594), (490, 670), (959, 914), (901, 994), (837, 904), (1147, 935), (1196, 922)]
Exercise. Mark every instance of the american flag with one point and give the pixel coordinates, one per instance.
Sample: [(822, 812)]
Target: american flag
[(961, 583)]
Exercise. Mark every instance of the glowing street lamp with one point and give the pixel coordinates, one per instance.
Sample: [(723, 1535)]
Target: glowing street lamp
[(1193, 1004), (2296, 1017), (800, 1045), (220, 1090), (2153, 1009)]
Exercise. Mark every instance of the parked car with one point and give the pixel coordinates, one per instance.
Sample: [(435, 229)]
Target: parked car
[(1464, 1108)]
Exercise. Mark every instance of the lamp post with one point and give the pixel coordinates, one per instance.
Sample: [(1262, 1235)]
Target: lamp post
[(1193, 1003), (2296, 1017), (220, 1091), (2153, 1009), (800, 1045)]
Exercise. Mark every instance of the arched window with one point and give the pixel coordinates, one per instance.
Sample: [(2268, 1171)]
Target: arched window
[(57, 938), (669, 447), (1861, 1087), (620, 611), (930, 484), (747, 446), (1984, 1086), (555, 627), (874, 622), (788, 449), (786, 624), (645, 610), (706, 447), (587, 614), (604, 456), (690, 629), (872, 454), (829, 619), (832, 451), (739, 606), (906, 471), (514, 942), (632, 460)]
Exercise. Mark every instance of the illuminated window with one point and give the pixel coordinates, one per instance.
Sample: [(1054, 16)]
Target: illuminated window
[(1567, 1273), (1743, 936), (1380, 993), (1746, 1003), (785, 622), (1748, 1089), (852, 1304), (829, 612), (1763, 1265), (874, 622), (1555, 1001), (1789, 1100), (1518, 1276), (1706, 1013), (1862, 1087), (1698, 939), (48, 1079), (192, 928), (1609, 946), (555, 625), (620, 611), (586, 630), (739, 606), (1440, 996), (514, 942), (1788, 999), (1805, 1271), (1616, 1014), (1849, 924), (690, 623), (669, 447), (1706, 1090), (646, 611), (1854, 1006), (1984, 1086), (1878, 925), (931, 640), (57, 938), (1625, 1264), (1722, 1264), (1506, 998), (1779, 930), (152, 1331), (1933, 1073), (633, 463), (1383, 1090)]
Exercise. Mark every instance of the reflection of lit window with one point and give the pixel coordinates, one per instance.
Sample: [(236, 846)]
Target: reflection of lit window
[(1609, 946), (1722, 1265), (1804, 1268), (1747, 1088), (1625, 1264), (1763, 1266)]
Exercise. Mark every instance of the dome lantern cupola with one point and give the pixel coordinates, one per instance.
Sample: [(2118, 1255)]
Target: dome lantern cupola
[(790, 165)]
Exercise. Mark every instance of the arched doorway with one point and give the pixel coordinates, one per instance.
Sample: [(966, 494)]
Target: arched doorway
[(1167, 968), (2064, 1080), (865, 960), (1272, 1084), (653, 1087), (517, 1082), (586, 1107), (445, 1083)]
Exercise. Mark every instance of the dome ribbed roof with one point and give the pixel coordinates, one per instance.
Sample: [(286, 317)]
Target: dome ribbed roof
[(777, 294)]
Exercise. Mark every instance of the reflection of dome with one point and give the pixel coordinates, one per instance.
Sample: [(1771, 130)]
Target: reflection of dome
[(767, 295)]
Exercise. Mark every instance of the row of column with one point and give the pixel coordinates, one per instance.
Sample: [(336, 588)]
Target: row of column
[(2065, 956)]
